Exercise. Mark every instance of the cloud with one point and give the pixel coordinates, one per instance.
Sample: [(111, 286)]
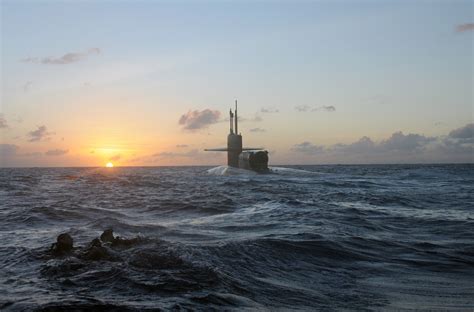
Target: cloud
[(329, 108), (40, 134), (10, 156), (257, 130), (56, 152), (67, 58), (3, 122), (458, 146), (269, 110), (465, 27), (466, 132), (302, 108), (397, 142), (307, 148), (191, 153), (306, 108), (364, 144), (410, 142), (7, 150), (182, 145), (194, 120), (31, 154), (255, 118)]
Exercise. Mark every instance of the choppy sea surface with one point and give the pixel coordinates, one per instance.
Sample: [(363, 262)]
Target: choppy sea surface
[(381, 237)]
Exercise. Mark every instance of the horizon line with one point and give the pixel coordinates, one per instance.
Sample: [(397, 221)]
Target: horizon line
[(277, 165)]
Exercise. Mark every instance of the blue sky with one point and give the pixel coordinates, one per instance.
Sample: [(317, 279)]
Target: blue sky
[(384, 66)]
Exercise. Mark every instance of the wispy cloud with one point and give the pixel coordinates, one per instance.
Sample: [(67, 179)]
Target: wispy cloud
[(191, 153), (307, 108), (303, 108), (465, 27), (40, 134), (329, 108), (31, 154), (257, 130), (182, 145), (269, 110), (255, 118), (67, 58), (195, 120), (3, 122), (56, 152)]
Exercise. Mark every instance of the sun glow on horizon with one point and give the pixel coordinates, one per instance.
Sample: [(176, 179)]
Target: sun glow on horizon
[(109, 165)]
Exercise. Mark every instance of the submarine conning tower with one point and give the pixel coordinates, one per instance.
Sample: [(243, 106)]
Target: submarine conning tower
[(234, 140), (249, 158)]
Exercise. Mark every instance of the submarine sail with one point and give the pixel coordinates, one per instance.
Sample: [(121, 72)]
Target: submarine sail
[(249, 158)]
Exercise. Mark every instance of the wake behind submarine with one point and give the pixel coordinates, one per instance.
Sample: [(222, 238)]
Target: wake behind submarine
[(249, 158)]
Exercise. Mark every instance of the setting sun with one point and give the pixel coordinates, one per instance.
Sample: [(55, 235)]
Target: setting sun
[(109, 165)]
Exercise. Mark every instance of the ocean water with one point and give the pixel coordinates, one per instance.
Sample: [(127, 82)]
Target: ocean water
[(382, 237)]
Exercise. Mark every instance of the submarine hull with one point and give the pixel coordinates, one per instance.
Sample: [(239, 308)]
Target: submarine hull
[(254, 160)]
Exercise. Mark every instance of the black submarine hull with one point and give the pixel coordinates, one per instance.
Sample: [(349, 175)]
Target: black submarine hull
[(254, 160)]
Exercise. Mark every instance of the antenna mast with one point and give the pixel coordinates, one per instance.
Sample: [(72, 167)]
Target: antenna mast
[(231, 119), (236, 125)]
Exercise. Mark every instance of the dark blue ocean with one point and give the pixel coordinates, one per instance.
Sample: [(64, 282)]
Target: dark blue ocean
[(330, 238)]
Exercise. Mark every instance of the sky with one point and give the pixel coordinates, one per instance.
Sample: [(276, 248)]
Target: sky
[(150, 83)]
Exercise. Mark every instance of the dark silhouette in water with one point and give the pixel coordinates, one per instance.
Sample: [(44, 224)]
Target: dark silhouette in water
[(63, 245), (107, 236), (95, 251), (97, 248)]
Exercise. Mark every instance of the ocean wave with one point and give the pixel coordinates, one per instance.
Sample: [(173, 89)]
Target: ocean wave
[(302, 238)]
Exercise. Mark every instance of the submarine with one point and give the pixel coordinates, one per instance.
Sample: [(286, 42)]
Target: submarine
[(249, 158)]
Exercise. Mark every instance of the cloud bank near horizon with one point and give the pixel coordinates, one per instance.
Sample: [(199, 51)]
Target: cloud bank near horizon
[(457, 146)]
